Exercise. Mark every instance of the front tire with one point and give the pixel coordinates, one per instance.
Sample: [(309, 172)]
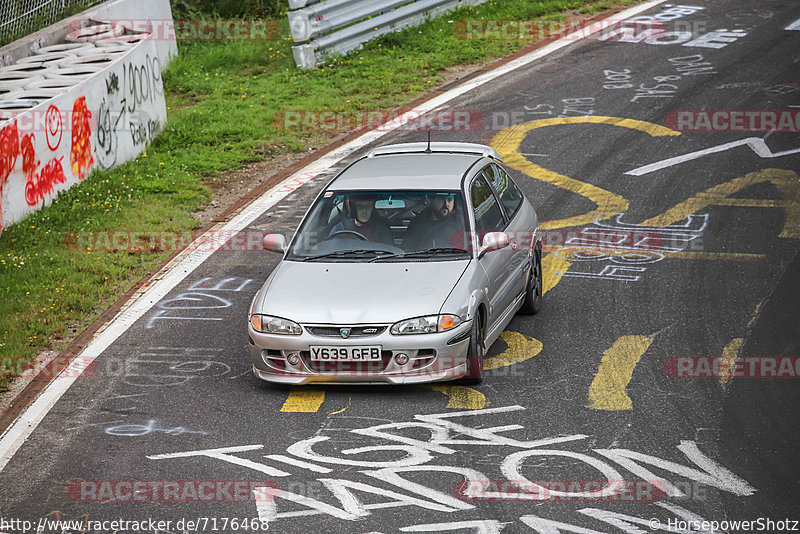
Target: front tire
[(533, 290), (475, 353)]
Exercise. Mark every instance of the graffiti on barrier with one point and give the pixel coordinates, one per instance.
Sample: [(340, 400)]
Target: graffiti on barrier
[(112, 84), (53, 127), (29, 161), (143, 129), (81, 152), (39, 187), (55, 145), (142, 82), (107, 143), (123, 108)]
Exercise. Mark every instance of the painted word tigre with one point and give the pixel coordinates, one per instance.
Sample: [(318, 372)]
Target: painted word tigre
[(398, 452)]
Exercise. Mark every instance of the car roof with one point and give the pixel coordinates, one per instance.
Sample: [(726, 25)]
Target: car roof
[(412, 171)]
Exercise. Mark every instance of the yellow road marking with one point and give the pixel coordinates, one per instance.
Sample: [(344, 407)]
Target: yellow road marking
[(461, 397), (755, 315), (553, 268), (727, 256), (343, 409), (685, 255), (787, 182), (304, 400), (520, 348), (508, 142), (733, 349), (607, 391), (729, 355)]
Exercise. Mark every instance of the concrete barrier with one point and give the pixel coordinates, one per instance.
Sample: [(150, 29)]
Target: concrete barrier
[(78, 112)]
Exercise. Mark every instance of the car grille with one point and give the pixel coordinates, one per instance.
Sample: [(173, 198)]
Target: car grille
[(355, 331), (347, 367)]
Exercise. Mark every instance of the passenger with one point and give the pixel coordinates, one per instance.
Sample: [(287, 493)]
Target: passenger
[(361, 218), (437, 226)]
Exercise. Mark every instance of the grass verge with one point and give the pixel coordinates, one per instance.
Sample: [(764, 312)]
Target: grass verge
[(221, 99)]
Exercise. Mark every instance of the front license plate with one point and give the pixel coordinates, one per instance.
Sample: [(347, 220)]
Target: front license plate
[(356, 354)]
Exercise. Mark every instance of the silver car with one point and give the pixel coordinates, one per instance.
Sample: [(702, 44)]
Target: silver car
[(406, 268)]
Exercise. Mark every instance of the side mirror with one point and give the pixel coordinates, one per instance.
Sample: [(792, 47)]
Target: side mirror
[(274, 243), (493, 241)]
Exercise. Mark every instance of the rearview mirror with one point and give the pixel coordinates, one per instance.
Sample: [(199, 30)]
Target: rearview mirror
[(274, 243), (493, 241), (389, 204)]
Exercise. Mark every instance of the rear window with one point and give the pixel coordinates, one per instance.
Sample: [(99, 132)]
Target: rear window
[(488, 217), (509, 193)]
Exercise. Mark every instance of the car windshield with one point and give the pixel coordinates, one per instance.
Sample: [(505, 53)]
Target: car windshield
[(370, 225)]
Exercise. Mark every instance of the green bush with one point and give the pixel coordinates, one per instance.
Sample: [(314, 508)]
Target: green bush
[(231, 9)]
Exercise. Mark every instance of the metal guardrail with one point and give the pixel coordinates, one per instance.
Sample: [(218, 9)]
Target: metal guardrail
[(298, 4), (339, 26)]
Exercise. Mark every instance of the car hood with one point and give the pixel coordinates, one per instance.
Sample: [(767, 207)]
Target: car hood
[(358, 293)]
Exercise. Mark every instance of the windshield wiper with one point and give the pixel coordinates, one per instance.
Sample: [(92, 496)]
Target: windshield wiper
[(357, 252), (430, 251)]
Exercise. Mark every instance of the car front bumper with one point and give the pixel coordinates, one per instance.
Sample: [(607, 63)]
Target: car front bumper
[(432, 358)]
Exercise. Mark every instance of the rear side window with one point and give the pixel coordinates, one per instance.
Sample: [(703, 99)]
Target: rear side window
[(488, 216), (509, 193)]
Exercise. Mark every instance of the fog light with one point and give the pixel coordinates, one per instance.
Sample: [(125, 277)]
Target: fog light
[(401, 359), (293, 359)]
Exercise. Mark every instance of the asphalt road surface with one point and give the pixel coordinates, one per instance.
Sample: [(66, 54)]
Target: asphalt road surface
[(606, 138)]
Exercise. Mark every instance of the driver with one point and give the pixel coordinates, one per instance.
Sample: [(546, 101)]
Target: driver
[(436, 226), (361, 218)]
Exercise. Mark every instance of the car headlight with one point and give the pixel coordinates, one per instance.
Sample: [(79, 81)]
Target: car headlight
[(426, 325), (275, 325)]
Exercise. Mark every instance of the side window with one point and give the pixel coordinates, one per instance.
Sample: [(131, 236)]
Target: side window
[(488, 216), (336, 210), (510, 195)]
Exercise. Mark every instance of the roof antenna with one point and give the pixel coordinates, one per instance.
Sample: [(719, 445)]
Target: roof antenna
[(429, 142)]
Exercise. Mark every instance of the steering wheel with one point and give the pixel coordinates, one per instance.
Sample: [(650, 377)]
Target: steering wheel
[(337, 232)]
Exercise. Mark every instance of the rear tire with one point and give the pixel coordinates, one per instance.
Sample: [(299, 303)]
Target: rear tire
[(533, 290), (475, 353)]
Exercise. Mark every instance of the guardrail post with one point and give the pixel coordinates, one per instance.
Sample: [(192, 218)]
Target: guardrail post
[(305, 56)]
